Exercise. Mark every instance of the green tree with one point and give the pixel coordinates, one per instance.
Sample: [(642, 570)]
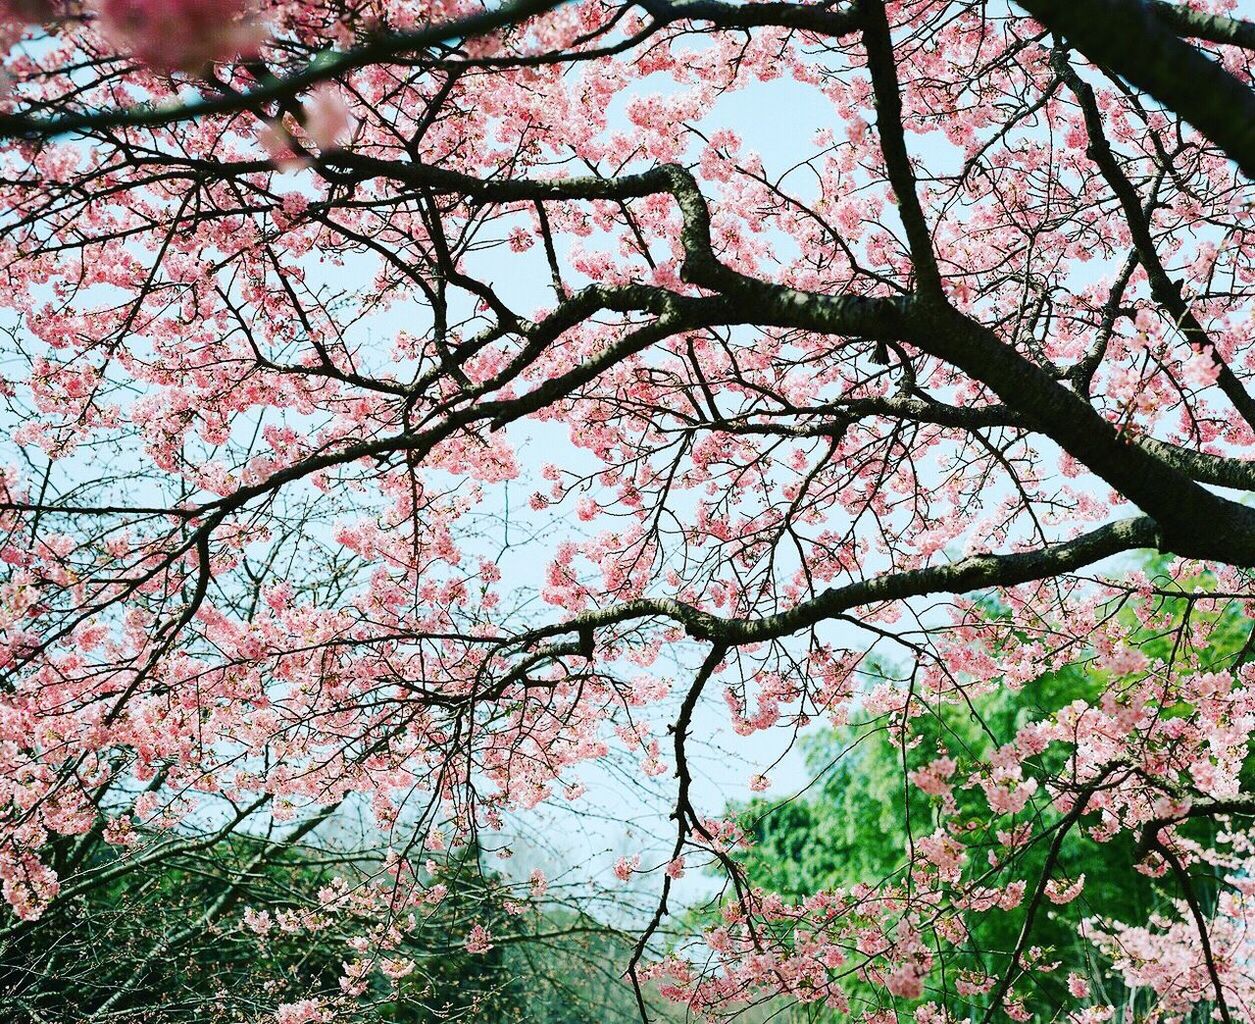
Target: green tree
[(856, 823)]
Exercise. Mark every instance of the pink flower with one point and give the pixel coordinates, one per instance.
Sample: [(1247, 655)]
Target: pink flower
[(1061, 892), (907, 981), (1201, 369), (327, 117), (479, 940), (397, 968), (27, 11), (944, 852), (183, 35), (306, 1011), (933, 777), (520, 240)]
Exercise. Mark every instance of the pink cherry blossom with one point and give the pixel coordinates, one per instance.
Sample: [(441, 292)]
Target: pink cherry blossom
[(478, 940), (183, 35)]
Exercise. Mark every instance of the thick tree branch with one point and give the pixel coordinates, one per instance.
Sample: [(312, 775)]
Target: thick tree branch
[(1130, 38), (1211, 28), (882, 63), (1175, 500), (977, 572), (807, 17)]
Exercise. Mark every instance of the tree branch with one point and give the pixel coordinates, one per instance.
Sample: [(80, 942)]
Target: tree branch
[(1130, 38)]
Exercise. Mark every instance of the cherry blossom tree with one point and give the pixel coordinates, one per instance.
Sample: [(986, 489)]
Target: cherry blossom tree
[(295, 290)]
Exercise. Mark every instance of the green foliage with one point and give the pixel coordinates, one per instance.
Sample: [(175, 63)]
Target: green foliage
[(163, 943), (855, 824)]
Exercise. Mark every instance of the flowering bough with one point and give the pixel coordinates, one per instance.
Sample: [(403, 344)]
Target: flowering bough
[(984, 331)]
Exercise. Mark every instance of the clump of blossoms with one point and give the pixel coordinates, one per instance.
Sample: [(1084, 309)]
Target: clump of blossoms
[(183, 35), (1161, 751)]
